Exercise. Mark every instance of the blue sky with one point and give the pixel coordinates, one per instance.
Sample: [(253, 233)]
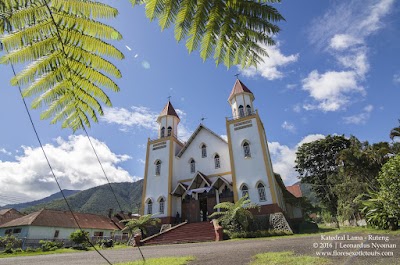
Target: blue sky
[(335, 70)]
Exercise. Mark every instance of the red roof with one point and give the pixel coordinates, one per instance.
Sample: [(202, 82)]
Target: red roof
[(56, 218), (238, 88), (169, 110), (295, 190)]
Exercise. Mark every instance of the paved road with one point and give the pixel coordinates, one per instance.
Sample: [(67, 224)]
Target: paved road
[(229, 252)]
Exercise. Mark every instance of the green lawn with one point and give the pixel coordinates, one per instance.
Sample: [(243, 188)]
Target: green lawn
[(161, 261), (58, 251), (286, 258)]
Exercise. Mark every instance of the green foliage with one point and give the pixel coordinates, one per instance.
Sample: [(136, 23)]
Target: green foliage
[(62, 46), (271, 258), (99, 199), (80, 238), (47, 245), (374, 211), (234, 31), (395, 132), (140, 224), (10, 243), (234, 217), (389, 180), (316, 164), (255, 234), (161, 261), (382, 209)]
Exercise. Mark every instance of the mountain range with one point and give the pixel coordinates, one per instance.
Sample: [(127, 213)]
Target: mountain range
[(97, 200)]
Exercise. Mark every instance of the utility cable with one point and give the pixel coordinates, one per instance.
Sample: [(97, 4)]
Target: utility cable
[(102, 168), (52, 172)]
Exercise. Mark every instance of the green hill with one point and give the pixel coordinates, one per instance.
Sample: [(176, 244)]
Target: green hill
[(58, 195), (99, 200)]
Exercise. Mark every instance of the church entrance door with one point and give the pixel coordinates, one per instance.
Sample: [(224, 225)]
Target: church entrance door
[(203, 209)]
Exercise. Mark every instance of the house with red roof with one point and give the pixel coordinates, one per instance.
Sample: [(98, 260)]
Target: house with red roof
[(55, 224)]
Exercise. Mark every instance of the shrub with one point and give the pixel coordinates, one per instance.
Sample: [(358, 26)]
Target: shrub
[(47, 245), (81, 239), (9, 243)]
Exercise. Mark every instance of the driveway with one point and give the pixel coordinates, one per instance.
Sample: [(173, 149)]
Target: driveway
[(240, 252)]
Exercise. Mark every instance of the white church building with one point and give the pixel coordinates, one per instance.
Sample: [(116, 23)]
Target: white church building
[(190, 178)]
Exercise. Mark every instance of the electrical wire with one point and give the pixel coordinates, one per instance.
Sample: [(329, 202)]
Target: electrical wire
[(52, 172)]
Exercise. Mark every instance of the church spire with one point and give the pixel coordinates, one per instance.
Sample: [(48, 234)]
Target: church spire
[(239, 88), (168, 121), (241, 100), (168, 110)]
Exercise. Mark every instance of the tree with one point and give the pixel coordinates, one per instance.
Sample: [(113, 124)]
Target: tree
[(234, 217), (64, 46), (316, 164), (359, 166), (140, 224), (389, 193), (395, 132)]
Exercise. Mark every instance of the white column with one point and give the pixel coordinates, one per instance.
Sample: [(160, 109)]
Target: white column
[(217, 198)]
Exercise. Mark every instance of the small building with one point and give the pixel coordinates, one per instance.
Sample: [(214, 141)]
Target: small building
[(54, 224), (7, 215)]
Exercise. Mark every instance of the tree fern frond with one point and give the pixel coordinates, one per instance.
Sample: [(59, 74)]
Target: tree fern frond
[(85, 8), (219, 26)]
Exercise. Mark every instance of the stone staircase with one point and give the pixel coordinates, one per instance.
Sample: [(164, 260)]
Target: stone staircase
[(183, 233)]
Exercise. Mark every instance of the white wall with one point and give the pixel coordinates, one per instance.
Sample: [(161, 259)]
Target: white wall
[(157, 185), (44, 232), (253, 169), (181, 168)]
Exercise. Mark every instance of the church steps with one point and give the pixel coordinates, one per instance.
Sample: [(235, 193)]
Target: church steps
[(187, 233)]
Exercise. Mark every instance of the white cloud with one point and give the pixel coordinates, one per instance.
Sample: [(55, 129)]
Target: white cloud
[(396, 78), (141, 161), (343, 41), (269, 68), (146, 65), (224, 136), (283, 158), (347, 42), (138, 116), (360, 118), (289, 127), (73, 161), (291, 86), (331, 89), (4, 151), (143, 118)]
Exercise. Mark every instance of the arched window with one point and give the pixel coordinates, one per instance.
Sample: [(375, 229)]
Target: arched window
[(245, 190), (246, 149), (169, 131), (261, 192), (216, 161), (150, 207), (192, 166), (162, 132), (241, 111), (158, 167), (248, 110), (203, 150), (162, 205)]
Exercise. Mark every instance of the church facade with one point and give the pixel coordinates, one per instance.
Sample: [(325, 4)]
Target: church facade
[(188, 179)]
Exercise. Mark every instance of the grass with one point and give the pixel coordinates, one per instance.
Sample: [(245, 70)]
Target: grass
[(286, 258), (161, 261), (58, 251)]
